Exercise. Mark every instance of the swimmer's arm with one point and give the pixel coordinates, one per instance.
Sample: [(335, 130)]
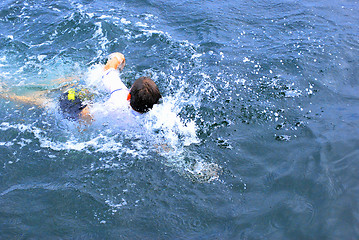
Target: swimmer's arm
[(111, 79), (85, 115), (35, 99), (65, 80)]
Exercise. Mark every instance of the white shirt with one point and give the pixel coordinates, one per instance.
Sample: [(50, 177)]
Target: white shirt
[(117, 109)]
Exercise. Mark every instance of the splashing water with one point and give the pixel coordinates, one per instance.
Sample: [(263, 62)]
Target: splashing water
[(259, 98), (168, 134)]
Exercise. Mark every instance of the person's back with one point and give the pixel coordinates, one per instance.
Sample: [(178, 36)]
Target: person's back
[(123, 104)]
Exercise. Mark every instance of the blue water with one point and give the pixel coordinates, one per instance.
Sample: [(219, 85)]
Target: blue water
[(260, 112)]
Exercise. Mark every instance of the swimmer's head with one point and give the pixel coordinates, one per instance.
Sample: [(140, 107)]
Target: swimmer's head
[(144, 94)]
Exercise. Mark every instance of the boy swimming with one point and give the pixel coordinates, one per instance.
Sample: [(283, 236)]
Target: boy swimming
[(139, 99)]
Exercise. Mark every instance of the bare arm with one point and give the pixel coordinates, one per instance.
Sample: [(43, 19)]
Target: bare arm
[(36, 97), (85, 115), (33, 99)]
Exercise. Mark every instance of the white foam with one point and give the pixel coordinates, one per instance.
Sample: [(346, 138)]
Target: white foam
[(164, 118), (6, 144), (196, 55), (103, 41), (116, 206), (124, 21), (149, 16), (41, 57), (151, 32), (141, 24), (292, 93), (93, 77)]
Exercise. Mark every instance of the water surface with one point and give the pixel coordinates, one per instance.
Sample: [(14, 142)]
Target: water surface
[(263, 92)]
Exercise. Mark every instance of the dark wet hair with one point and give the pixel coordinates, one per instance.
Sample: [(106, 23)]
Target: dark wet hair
[(144, 94)]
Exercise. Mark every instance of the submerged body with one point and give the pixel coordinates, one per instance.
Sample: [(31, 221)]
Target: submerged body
[(122, 105)]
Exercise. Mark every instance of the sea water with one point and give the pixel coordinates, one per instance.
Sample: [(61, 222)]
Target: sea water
[(256, 136)]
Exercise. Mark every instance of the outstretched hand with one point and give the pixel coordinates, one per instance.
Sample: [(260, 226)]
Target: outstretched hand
[(116, 61)]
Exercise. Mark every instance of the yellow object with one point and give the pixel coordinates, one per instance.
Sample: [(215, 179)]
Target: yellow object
[(71, 95)]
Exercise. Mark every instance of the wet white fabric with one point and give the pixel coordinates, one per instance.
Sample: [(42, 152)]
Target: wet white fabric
[(112, 81), (117, 108)]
